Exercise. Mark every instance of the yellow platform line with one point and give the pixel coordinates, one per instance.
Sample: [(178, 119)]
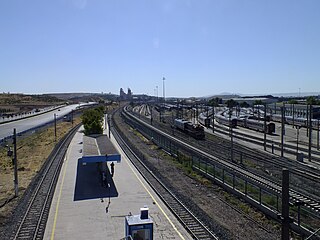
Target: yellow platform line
[(58, 201), (154, 200), (136, 175)]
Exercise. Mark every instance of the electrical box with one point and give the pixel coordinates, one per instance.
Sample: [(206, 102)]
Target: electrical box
[(300, 157), (139, 227)]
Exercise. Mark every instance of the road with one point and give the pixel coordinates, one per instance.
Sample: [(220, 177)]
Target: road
[(6, 129)]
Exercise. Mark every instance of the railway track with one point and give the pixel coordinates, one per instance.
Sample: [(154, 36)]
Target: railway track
[(222, 146), (295, 196), (33, 222), (288, 148), (191, 222)]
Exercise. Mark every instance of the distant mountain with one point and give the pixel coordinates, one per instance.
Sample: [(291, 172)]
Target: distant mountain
[(83, 97), (296, 94), (226, 95)]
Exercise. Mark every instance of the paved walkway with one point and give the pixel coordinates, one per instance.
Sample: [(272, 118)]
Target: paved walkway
[(78, 212)]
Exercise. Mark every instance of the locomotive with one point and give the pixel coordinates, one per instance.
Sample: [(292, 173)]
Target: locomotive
[(194, 130)]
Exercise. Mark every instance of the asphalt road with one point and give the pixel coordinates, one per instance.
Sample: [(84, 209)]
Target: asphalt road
[(6, 129)]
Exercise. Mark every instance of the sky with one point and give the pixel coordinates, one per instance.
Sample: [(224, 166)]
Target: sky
[(200, 47)]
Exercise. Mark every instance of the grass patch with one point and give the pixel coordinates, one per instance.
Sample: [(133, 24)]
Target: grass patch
[(139, 135)]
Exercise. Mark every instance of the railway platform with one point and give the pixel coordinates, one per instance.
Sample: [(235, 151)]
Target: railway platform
[(82, 208)]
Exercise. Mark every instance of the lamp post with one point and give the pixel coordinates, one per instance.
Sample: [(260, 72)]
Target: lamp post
[(164, 97), (318, 137), (157, 94), (231, 133)]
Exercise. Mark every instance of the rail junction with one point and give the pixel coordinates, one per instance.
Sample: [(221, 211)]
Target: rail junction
[(222, 165), (261, 191)]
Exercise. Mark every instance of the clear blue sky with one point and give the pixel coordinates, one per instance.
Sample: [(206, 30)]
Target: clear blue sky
[(201, 47)]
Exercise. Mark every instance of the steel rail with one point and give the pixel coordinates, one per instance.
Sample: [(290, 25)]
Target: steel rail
[(294, 195), (32, 224), (190, 221), (290, 149)]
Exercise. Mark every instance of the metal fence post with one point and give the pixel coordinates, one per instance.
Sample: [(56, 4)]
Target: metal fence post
[(285, 205)]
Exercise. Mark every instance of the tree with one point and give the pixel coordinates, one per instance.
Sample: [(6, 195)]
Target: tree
[(244, 105), (231, 103), (257, 102), (214, 102), (312, 100), (92, 121), (293, 101)]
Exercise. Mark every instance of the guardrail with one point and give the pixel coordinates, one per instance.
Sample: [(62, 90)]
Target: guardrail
[(37, 128), (28, 116)]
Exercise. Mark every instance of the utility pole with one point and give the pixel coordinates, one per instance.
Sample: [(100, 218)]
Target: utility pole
[(15, 162), (310, 131), (231, 134), (308, 115), (157, 94), (318, 137), (282, 129), (298, 127), (213, 119), (197, 114), (293, 115), (164, 97), (265, 128)]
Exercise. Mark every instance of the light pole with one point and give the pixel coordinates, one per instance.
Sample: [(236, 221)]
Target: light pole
[(157, 94), (231, 133), (164, 96), (318, 137), (265, 127)]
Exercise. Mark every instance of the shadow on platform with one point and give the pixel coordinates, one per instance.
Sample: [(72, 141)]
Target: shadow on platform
[(89, 184)]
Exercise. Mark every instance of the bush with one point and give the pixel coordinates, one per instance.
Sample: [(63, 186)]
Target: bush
[(92, 121)]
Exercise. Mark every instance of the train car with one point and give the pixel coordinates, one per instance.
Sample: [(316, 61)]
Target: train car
[(256, 125), (315, 123), (205, 121), (241, 121), (180, 124), (194, 130), (260, 118), (271, 128), (230, 122), (276, 118), (302, 122), (259, 126)]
